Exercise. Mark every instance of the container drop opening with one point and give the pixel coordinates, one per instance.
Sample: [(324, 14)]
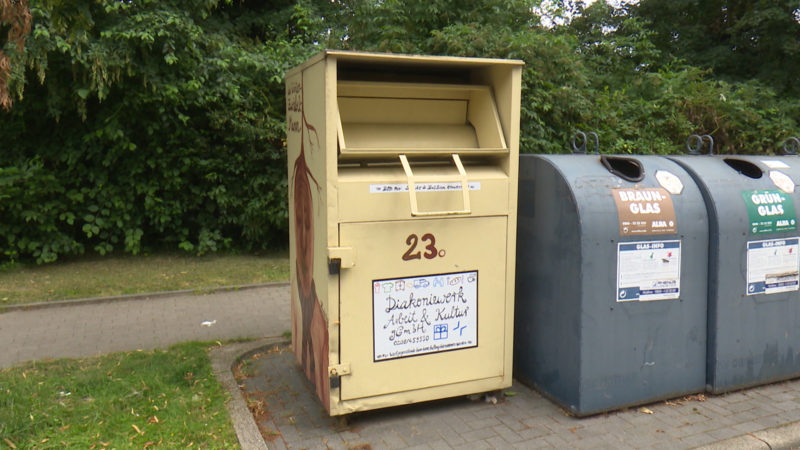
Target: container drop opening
[(625, 168), (745, 168)]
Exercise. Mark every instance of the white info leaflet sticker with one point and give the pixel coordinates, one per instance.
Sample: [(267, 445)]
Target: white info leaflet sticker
[(772, 266), (648, 271), (424, 314)]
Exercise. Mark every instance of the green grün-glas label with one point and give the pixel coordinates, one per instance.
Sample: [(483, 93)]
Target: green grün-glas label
[(770, 211)]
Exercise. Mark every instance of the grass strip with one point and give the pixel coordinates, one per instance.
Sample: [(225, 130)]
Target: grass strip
[(118, 275), (165, 398)]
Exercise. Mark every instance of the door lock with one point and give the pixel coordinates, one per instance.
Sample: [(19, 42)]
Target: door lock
[(334, 265), (340, 258)]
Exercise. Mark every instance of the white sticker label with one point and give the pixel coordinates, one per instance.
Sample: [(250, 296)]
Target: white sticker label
[(426, 314), (669, 181), (782, 181), (775, 164), (648, 271), (422, 187), (773, 266)]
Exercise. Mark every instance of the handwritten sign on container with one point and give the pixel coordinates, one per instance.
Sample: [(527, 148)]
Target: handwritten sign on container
[(424, 314)]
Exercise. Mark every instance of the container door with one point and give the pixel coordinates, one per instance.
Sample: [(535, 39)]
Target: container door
[(424, 304)]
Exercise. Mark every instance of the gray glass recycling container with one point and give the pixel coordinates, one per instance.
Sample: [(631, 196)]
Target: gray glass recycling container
[(611, 281), (753, 300)]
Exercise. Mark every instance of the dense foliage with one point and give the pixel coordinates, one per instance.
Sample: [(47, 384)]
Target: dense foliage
[(140, 124), (148, 123)]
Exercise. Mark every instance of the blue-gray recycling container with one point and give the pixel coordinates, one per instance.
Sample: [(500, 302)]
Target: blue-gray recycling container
[(612, 258), (753, 300)]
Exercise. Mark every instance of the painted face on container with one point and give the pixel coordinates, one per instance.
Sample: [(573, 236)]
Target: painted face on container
[(304, 227)]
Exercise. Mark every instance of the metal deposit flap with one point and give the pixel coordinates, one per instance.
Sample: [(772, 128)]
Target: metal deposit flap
[(379, 120), (423, 306)]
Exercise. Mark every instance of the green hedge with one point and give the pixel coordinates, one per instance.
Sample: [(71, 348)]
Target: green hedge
[(152, 124), (148, 124)]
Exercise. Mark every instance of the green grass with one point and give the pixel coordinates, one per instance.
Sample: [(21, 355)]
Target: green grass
[(116, 275), (163, 398)]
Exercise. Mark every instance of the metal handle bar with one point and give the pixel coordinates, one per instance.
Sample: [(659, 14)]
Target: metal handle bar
[(412, 188)]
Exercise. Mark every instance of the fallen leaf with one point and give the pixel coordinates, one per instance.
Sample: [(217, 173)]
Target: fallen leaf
[(509, 393), (645, 410), (696, 397), (10, 444), (137, 429), (153, 419), (148, 444)]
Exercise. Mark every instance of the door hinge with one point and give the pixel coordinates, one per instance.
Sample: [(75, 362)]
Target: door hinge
[(340, 258), (336, 372)]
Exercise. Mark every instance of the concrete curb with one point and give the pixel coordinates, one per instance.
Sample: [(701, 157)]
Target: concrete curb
[(143, 296), (786, 436), (222, 361)]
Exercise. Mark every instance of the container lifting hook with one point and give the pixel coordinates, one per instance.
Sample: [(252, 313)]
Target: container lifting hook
[(584, 142), (694, 144), (791, 146)]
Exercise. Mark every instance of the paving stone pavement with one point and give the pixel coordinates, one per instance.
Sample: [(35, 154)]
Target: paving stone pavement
[(93, 327), (289, 416)]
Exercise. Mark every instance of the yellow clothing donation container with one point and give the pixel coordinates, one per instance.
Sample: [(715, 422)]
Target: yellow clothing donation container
[(402, 216)]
